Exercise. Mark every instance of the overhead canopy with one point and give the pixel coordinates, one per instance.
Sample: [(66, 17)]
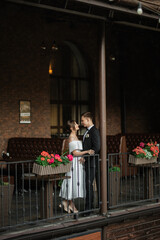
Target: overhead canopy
[(108, 10)]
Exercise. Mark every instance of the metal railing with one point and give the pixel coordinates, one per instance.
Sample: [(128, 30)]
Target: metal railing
[(131, 185), (27, 198)]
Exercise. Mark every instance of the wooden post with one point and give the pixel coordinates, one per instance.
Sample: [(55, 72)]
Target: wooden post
[(102, 104), (47, 195)]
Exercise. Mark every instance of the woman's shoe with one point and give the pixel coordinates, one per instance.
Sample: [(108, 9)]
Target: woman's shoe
[(65, 207), (73, 209)]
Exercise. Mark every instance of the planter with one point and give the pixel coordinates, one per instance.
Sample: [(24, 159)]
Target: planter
[(114, 187), (140, 161), (48, 170), (6, 193)]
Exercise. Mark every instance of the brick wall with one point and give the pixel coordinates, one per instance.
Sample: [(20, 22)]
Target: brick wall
[(145, 227), (24, 67), (23, 76), (136, 72), (24, 70)]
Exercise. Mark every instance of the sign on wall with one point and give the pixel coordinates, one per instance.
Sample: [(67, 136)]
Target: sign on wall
[(25, 111)]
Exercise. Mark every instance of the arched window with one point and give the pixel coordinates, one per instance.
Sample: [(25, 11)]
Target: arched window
[(69, 87)]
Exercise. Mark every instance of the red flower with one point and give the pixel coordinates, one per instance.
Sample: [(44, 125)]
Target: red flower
[(44, 154), (51, 160), (70, 157), (57, 156), (54, 160), (141, 144), (59, 159)]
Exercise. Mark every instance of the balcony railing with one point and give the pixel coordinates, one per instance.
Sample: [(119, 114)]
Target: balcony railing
[(131, 185), (27, 198)]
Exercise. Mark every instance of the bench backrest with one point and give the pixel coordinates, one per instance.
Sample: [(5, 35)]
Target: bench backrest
[(134, 139), (113, 143), (30, 148)]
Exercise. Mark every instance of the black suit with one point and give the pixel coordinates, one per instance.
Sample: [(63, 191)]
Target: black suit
[(91, 141)]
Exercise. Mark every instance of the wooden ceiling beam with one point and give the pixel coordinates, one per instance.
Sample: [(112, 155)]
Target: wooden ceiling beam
[(52, 8)]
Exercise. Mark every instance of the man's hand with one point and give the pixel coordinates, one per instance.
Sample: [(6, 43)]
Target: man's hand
[(91, 152)]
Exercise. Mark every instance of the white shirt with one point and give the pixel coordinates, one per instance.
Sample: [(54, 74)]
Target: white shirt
[(87, 132)]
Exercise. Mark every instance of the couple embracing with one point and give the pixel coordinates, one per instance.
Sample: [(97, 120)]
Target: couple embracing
[(84, 169)]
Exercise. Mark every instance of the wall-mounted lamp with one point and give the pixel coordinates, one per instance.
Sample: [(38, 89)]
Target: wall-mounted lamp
[(43, 45), (49, 50), (112, 58), (50, 69), (139, 9), (54, 46)]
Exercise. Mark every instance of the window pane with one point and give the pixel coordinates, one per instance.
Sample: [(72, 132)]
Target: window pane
[(74, 112), (54, 88), (74, 67), (54, 131), (83, 90), (66, 109), (61, 114), (54, 115), (81, 109), (73, 89), (65, 89)]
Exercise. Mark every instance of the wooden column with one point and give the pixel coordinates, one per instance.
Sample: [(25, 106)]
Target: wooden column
[(102, 104), (46, 206)]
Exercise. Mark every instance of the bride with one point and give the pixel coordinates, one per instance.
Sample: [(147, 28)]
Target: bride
[(74, 187)]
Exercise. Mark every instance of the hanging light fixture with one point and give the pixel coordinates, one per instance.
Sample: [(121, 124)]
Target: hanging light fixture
[(139, 9), (52, 62)]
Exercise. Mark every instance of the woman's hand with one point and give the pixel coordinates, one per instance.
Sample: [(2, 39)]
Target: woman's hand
[(91, 152)]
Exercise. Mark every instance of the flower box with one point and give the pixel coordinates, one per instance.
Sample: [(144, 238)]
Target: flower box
[(140, 161), (48, 170)]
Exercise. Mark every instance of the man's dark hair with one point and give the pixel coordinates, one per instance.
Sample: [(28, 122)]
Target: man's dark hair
[(87, 115)]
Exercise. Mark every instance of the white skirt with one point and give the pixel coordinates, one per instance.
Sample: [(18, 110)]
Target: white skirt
[(74, 187)]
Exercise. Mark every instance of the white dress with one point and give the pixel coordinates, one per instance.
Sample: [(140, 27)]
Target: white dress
[(74, 187)]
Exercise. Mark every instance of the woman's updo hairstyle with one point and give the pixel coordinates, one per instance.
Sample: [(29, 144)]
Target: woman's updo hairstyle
[(70, 124)]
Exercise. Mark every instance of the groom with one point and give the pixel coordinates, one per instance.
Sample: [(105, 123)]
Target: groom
[(91, 140)]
